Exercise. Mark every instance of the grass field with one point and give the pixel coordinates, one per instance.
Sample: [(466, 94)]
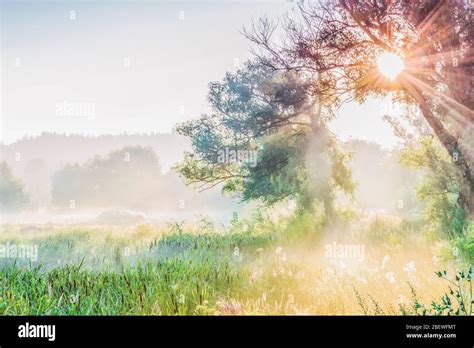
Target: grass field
[(254, 267)]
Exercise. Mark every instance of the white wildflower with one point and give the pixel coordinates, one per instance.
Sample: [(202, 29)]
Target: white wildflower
[(390, 277), (410, 267)]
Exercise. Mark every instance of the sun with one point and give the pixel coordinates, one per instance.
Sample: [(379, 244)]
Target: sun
[(390, 65)]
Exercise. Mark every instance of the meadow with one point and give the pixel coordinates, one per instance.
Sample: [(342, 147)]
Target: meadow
[(259, 266), (338, 133)]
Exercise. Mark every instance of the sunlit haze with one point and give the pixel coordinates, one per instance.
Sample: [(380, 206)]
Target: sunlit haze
[(144, 76), (390, 64)]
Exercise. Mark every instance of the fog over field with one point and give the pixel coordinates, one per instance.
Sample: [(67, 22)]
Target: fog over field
[(39, 161), (236, 157)]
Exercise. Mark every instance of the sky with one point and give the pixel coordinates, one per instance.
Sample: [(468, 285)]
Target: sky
[(102, 67)]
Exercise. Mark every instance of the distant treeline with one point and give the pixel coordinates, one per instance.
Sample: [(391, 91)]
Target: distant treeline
[(130, 177), (56, 150), (61, 171)]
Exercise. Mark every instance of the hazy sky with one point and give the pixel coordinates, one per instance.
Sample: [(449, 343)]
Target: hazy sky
[(96, 67)]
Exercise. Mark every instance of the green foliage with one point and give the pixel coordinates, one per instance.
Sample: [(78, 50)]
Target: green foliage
[(125, 177), (459, 300), (265, 140), (257, 266), (12, 195), (303, 229), (465, 244), (341, 41), (441, 188), (181, 273)]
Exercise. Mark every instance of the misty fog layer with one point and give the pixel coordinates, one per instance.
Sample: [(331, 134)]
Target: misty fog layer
[(76, 175)]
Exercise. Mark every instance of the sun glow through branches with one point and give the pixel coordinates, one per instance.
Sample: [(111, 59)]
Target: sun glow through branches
[(390, 65)]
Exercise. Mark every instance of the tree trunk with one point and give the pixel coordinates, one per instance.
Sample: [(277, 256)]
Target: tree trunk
[(451, 144)]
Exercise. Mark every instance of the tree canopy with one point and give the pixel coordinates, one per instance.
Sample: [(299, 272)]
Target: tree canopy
[(266, 139), (325, 54), (12, 195), (123, 177), (340, 41)]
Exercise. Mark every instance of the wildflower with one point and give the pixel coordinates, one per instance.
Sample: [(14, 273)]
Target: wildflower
[(390, 277), (410, 267)]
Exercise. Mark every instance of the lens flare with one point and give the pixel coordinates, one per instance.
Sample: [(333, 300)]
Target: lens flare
[(390, 65)]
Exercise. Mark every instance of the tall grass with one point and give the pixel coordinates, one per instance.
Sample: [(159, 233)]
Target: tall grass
[(252, 267)]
